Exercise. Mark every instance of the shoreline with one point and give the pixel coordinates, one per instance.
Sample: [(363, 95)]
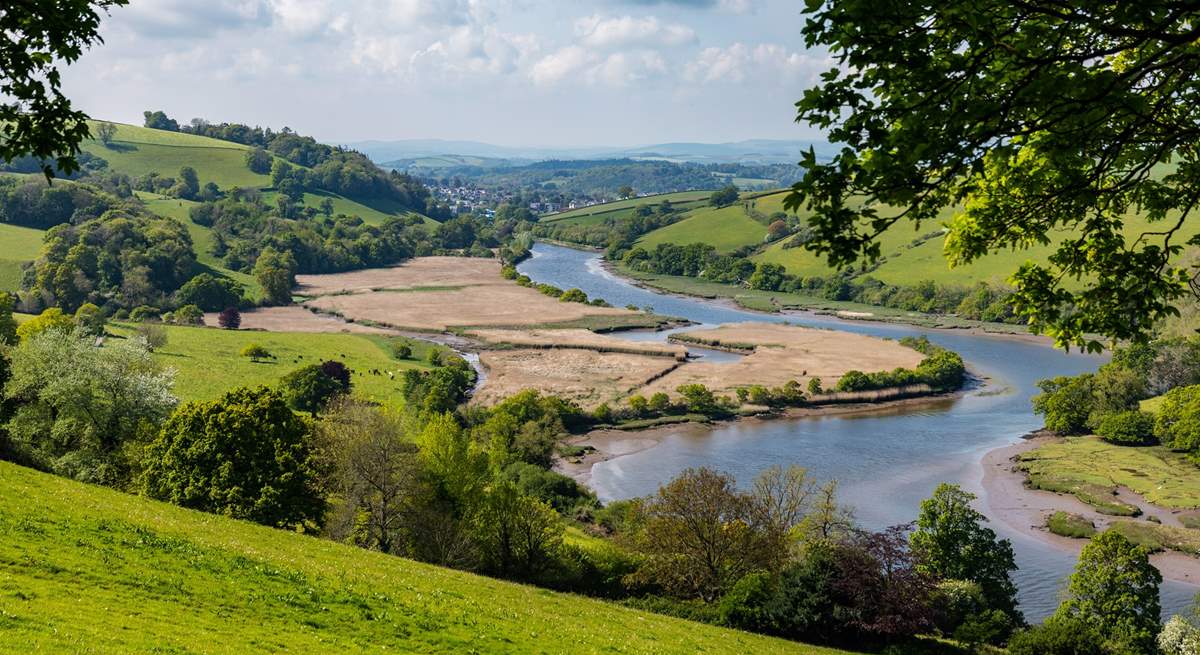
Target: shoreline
[(1009, 501), (728, 303), (607, 444)]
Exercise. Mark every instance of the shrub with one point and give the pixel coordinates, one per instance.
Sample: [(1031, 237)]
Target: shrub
[(853, 381), (508, 272), (155, 335), (189, 315), (310, 388), (52, 318), (746, 604), (987, 627), (1130, 428), (814, 386), (1058, 636), (699, 398), (90, 318), (230, 318), (401, 350), (638, 404), (603, 414), (144, 313), (573, 295), (256, 352), (659, 402)]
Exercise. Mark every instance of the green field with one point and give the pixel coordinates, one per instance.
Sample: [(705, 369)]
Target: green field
[(136, 151), (681, 198), (1095, 468), (17, 246), (207, 360), (726, 229), (89, 569)]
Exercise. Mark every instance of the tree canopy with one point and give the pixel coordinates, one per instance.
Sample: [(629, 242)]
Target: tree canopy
[(35, 117), (1036, 123)]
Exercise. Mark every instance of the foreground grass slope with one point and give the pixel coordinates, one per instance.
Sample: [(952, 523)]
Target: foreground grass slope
[(88, 569)]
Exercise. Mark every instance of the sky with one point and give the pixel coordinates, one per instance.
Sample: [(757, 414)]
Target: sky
[(508, 72)]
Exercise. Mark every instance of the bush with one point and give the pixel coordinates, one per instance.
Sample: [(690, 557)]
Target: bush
[(52, 318), (230, 318), (1130, 428), (144, 313), (189, 315), (310, 388), (573, 295), (747, 605), (256, 352), (988, 627), (90, 318), (1058, 636), (401, 350), (155, 335)]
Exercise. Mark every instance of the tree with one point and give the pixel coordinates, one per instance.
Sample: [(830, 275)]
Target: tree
[(699, 398), (8, 324), (275, 272), (105, 132), (402, 350), (158, 120), (1180, 636), (951, 543), (36, 119), (699, 535), (309, 389), (259, 161), (189, 315), (777, 230), (77, 405), (256, 353), (1039, 122), (52, 318), (210, 293), (90, 318), (230, 318), (245, 455), (724, 196), (375, 472), (518, 535), (1066, 402), (625, 191), (1115, 586), (189, 183), (1178, 423)]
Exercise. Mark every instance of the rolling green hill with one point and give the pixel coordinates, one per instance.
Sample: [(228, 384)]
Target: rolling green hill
[(207, 360), (623, 208), (137, 151), (17, 246), (89, 569), (726, 229)]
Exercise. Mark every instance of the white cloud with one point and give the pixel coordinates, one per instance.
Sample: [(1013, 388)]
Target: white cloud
[(739, 62), (557, 65), (600, 32)]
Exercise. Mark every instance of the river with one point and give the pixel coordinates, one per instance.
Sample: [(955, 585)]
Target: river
[(885, 463)]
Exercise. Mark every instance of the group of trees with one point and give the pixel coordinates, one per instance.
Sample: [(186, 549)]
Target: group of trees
[(318, 167), (33, 203), (1107, 402), (942, 370), (983, 301)]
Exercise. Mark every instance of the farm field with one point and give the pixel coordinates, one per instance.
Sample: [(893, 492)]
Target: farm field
[(439, 293), (137, 151), (577, 338), (17, 246), (208, 362), (94, 570), (726, 229), (679, 198)]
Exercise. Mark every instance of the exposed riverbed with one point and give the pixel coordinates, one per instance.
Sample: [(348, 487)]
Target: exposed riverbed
[(886, 462)]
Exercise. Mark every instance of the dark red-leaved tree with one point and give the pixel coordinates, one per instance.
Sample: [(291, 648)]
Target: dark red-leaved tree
[(338, 372), (230, 318)]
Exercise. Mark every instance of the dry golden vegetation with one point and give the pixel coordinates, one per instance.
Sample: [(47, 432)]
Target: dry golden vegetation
[(297, 319), (587, 377), (438, 293), (782, 353), (578, 339)]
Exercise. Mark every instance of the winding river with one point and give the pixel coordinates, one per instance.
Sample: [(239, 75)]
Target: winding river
[(885, 463)]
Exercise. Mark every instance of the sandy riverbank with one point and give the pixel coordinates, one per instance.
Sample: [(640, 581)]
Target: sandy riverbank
[(1009, 501)]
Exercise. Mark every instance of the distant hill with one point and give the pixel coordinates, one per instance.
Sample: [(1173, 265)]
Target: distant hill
[(754, 151), (92, 569)]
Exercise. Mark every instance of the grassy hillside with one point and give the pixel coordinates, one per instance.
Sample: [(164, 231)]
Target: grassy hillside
[(207, 360), (623, 208), (136, 151), (17, 246), (88, 569), (727, 229)]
